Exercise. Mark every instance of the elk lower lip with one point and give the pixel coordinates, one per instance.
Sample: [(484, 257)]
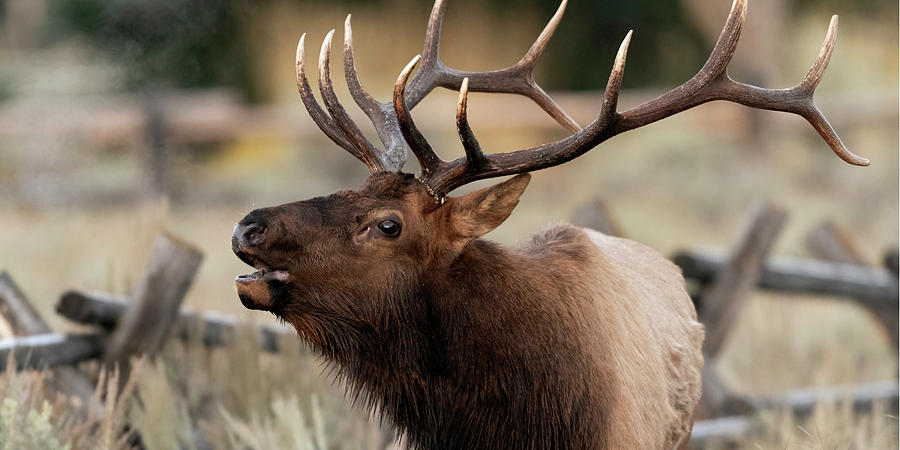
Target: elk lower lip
[(263, 275)]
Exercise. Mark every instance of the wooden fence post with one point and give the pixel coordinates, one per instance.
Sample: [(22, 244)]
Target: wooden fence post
[(831, 242), (892, 261), (149, 319), (725, 297), (597, 215), (157, 164), (22, 319)]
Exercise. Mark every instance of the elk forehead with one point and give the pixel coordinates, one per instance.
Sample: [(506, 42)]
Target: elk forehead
[(381, 190)]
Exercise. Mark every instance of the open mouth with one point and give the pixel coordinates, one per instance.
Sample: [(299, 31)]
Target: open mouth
[(263, 274)]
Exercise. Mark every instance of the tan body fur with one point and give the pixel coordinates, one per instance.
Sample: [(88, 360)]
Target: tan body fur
[(626, 322), (649, 327)]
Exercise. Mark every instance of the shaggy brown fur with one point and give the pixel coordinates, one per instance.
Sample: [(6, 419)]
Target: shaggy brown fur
[(577, 340)]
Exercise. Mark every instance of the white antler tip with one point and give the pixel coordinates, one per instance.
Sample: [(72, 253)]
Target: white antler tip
[(300, 46), (463, 92), (412, 64), (326, 49)]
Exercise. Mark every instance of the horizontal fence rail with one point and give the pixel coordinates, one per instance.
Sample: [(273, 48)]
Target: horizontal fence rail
[(801, 403), (49, 350), (212, 329), (802, 276)]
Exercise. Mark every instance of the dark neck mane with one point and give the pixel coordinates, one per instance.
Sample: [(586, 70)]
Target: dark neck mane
[(476, 362)]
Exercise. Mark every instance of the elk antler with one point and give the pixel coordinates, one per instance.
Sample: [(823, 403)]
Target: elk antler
[(336, 123), (710, 83)]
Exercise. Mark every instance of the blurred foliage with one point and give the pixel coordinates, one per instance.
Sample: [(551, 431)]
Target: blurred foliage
[(585, 45), (164, 43), (188, 43), (185, 43), (6, 88), (862, 7)]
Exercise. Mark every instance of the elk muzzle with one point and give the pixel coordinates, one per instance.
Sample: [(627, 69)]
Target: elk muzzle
[(256, 290)]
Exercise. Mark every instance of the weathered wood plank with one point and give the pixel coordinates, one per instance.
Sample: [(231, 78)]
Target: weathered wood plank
[(722, 429), (214, 329), (726, 294), (802, 276), (148, 321), (50, 350), (23, 320), (803, 401)]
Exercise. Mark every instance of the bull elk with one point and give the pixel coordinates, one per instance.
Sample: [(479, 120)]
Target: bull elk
[(576, 340)]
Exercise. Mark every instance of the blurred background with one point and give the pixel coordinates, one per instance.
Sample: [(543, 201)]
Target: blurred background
[(123, 118)]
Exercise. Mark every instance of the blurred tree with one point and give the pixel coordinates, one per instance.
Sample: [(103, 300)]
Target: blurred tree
[(21, 22), (862, 7), (665, 47), (165, 43), (197, 43)]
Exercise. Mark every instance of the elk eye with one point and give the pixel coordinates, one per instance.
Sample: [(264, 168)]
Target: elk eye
[(389, 228)]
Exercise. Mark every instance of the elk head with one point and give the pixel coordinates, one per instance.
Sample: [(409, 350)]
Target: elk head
[(346, 252), (353, 264)]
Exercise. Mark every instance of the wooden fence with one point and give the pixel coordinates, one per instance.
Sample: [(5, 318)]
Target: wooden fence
[(726, 278), (140, 325)]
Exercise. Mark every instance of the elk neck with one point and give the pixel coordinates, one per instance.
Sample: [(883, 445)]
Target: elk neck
[(486, 344)]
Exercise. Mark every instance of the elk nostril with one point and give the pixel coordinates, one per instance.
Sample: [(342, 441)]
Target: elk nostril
[(254, 234), (250, 234)]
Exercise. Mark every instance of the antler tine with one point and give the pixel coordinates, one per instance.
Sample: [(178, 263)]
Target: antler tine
[(474, 156), (529, 60), (431, 68), (713, 83), (428, 159), (460, 171), (319, 116), (360, 95), (814, 76), (366, 152), (614, 85), (516, 79), (717, 63), (714, 70), (710, 83), (381, 114)]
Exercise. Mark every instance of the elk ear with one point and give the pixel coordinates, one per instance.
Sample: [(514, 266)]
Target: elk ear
[(476, 213)]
